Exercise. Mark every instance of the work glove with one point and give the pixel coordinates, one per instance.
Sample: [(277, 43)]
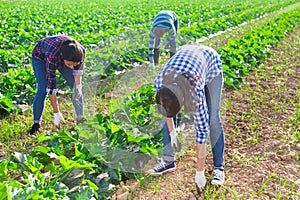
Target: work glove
[(174, 140), (200, 180), (58, 118)]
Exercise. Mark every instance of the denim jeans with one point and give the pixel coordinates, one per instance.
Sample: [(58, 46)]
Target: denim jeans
[(39, 69), (213, 92), (172, 42), (168, 152)]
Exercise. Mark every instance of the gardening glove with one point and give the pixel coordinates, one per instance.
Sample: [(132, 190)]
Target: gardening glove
[(58, 118), (174, 140), (200, 180)]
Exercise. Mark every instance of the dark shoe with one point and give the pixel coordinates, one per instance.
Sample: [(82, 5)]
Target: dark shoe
[(156, 56), (80, 120), (162, 167), (34, 128)]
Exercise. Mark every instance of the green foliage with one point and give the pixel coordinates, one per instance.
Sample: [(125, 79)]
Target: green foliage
[(115, 34), (239, 56), (17, 86)]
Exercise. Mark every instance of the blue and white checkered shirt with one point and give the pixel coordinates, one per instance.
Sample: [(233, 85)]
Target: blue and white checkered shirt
[(199, 61)]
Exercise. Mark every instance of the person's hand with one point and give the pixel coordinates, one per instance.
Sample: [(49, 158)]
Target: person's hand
[(58, 118), (200, 180), (174, 140)]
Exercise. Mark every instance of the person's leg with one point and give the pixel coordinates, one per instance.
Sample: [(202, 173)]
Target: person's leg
[(39, 69), (156, 51), (168, 152), (167, 163), (213, 92), (76, 98)]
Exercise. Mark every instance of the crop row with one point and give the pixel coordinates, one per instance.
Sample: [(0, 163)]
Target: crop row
[(107, 147), (109, 25), (115, 36)]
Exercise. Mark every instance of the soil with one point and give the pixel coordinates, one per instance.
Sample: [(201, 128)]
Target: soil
[(261, 153)]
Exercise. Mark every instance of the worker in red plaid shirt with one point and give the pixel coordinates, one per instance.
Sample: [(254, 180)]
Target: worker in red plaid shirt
[(66, 55)]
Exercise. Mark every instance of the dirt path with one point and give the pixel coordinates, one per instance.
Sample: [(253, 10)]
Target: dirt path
[(261, 153)]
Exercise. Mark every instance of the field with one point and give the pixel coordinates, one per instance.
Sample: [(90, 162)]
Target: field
[(259, 43)]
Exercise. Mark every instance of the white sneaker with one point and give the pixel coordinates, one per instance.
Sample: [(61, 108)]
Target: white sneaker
[(218, 177)]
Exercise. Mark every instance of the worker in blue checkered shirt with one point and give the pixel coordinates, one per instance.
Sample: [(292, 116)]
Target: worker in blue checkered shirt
[(192, 79)]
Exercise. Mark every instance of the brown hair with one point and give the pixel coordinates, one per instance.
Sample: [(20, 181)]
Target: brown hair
[(168, 103), (71, 50)]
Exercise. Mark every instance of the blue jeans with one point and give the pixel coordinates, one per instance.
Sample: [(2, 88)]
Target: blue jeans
[(39, 69), (168, 152), (213, 92)]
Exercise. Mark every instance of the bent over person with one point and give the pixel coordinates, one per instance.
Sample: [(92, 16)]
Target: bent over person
[(66, 55), (192, 79), (165, 21)]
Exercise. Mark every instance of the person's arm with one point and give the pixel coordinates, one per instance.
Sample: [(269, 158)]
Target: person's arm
[(172, 38), (201, 123), (151, 47), (54, 102), (79, 70), (174, 140), (170, 124), (51, 88), (78, 79)]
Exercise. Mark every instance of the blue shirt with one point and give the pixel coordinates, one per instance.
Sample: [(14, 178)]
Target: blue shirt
[(198, 61)]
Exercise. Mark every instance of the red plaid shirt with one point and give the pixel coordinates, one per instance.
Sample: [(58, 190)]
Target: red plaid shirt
[(48, 51)]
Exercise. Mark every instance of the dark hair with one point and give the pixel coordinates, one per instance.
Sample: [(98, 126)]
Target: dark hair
[(168, 103), (177, 90), (71, 51)]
